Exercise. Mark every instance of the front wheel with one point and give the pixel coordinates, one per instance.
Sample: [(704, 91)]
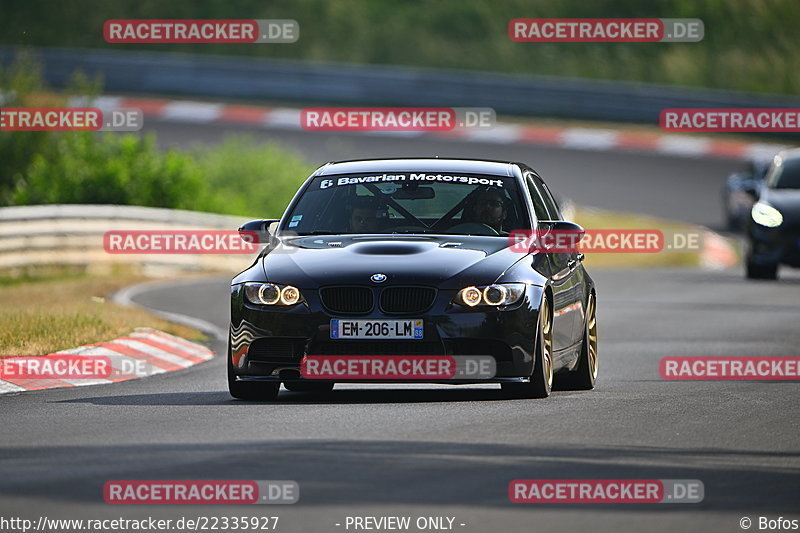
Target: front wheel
[(541, 381), (759, 271)]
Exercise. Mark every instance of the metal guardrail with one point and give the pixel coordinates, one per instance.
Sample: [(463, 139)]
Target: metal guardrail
[(209, 76), (73, 235)]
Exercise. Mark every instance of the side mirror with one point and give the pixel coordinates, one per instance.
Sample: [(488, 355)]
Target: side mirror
[(259, 228), (559, 235), (561, 225)]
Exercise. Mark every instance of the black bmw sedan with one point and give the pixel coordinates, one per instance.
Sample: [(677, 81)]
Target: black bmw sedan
[(411, 258)]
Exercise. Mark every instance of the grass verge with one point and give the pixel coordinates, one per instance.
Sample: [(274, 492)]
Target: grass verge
[(43, 312)]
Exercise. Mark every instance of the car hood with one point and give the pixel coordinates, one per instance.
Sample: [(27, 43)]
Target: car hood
[(445, 261)]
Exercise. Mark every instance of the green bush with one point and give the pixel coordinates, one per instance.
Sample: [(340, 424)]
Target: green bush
[(239, 176), (18, 149), (86, 167), (248, 178)]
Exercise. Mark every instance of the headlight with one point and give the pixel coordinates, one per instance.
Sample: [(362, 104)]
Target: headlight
[(471, 296), (494, 295), (271, 294), (766, 215), (290, 295)]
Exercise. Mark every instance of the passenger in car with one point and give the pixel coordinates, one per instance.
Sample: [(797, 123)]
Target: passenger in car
[(364, 215)]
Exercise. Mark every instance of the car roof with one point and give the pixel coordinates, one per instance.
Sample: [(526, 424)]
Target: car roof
[(431, 164)]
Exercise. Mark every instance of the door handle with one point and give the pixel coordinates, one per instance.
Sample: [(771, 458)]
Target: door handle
[(581, 257)]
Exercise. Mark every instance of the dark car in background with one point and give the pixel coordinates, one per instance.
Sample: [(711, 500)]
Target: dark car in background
[(774, 228), (740, 192), (422, 243)]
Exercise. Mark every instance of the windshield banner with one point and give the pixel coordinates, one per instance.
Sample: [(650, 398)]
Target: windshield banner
[(409, 178)]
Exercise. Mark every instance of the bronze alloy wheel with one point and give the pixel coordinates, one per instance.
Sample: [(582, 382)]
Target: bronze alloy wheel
[(584, 375), (546, 353), (541, 381), (591, 333)]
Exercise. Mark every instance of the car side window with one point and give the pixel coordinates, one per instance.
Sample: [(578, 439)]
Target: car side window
[(539, 206), (549, 201)]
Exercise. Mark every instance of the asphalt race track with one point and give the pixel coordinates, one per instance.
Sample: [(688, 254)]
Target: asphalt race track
[(451, 451)]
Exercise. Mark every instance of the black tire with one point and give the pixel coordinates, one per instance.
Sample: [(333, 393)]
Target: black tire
[(759, 271), (541, 381), (253, 391), (309, 386), (584, 376)]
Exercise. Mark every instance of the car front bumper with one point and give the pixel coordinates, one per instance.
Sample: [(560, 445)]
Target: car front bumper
[(269, 342)]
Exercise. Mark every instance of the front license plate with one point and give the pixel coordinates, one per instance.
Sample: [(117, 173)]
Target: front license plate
[(376, 329)]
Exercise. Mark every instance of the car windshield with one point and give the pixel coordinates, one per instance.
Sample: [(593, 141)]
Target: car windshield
[(786, 175), (438, 203)]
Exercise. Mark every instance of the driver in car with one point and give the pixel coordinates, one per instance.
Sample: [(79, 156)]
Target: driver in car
[(490, 209)]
